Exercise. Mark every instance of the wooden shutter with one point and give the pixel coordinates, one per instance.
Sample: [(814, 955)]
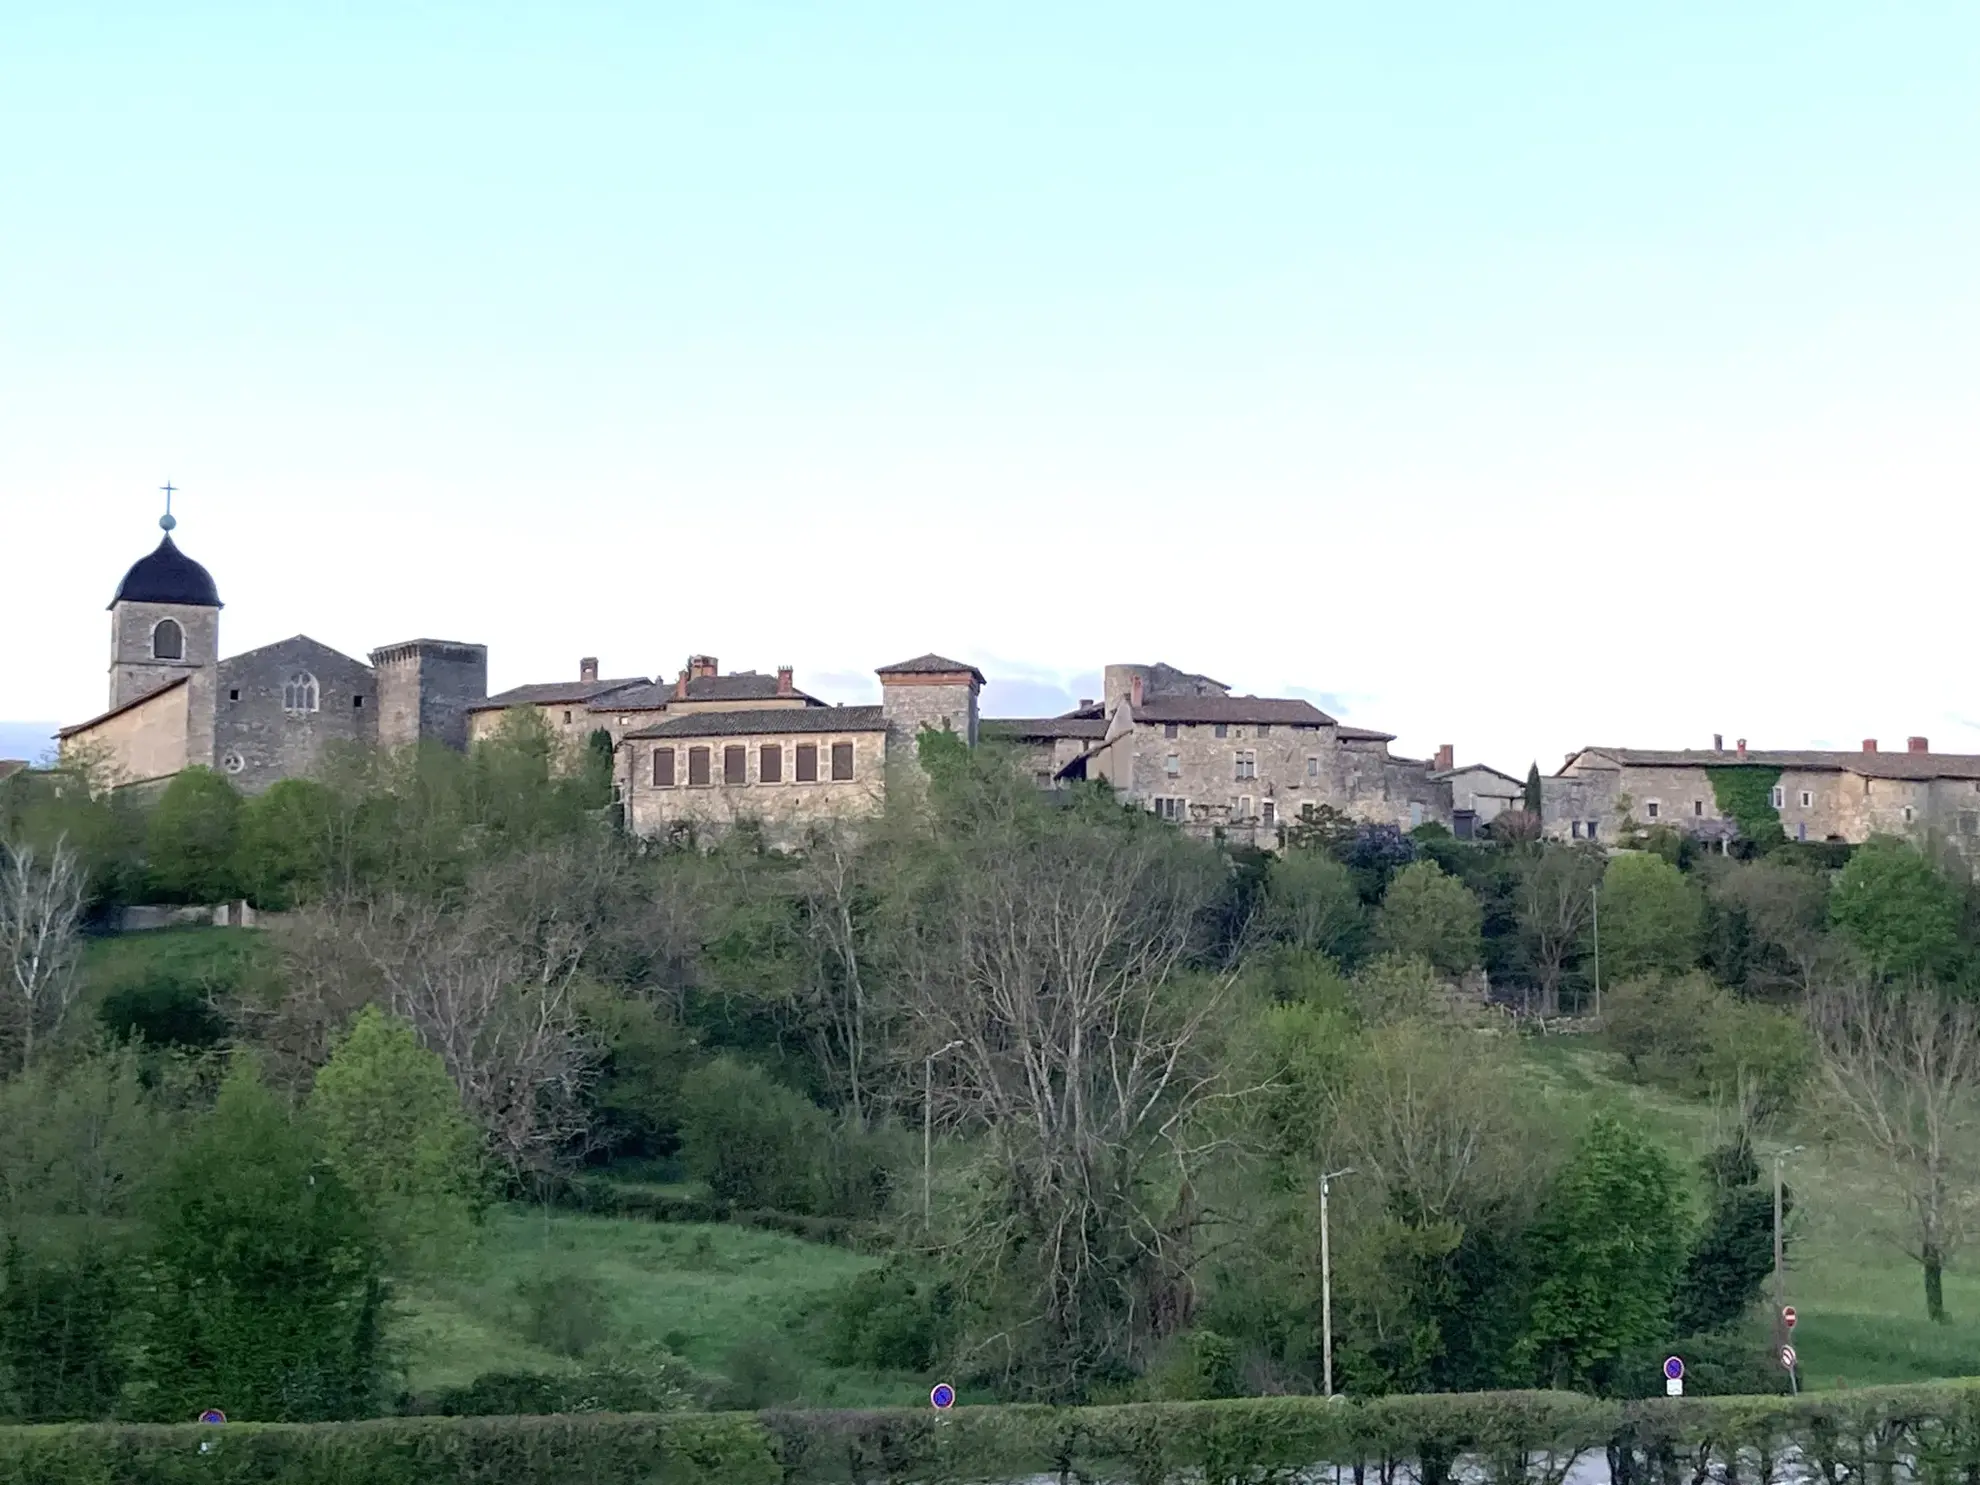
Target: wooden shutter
[(807, 763), (697, 766), (735, 764), (770, 765), (663, 768), (842, 760)]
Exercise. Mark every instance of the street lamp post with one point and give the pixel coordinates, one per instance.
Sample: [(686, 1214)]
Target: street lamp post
[(1327, 1286), (928, 1127), (1780, 1267), (1595, 906)]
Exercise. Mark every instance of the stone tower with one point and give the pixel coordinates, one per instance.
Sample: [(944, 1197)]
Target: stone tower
[(165, 628), (425, 687), (930, 692)]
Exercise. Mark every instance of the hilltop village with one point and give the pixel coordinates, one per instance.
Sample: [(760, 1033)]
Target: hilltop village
[(706, 749)]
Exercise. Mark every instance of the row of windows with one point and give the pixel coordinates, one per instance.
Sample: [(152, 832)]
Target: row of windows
[(1244, 765), (1223, 729), (301, 695), (700, 764), (1171, 808)]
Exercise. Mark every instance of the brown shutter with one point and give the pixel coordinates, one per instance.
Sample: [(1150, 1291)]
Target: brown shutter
[(842, 760), (770, 765), (807, 763), (663, 768), (735, 764), (697, 766)]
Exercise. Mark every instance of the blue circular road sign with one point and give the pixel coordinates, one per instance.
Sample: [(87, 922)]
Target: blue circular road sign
[(213, 1415), (943, 1396), (1673, 1368)]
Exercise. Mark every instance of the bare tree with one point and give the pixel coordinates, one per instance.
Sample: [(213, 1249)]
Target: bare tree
[(1903, 1067), (1049, 966), (1555, 904), (846, 1009), (41, 904), (1786, 909)]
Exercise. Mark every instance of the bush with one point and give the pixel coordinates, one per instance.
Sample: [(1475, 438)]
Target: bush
[(568, 1313), (1687, 1033), (759, 1373), (1431, 916), (190, 838), (61, 1335), (164, 1012), (1651, 915), (890, 1320), (754, 1141), (659, 1383)]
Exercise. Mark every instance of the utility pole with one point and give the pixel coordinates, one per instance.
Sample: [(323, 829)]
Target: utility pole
[(1781, 1332), (928, 1129), (1327, 1286), (1595, 903)]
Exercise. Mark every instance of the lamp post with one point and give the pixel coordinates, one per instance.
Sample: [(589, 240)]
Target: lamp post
[(928, 1125), (1780, 1267), (1595, 907), (1327, 1286)]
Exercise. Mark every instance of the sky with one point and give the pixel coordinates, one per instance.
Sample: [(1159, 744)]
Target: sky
[(1519, 377)]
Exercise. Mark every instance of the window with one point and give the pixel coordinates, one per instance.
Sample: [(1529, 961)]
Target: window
[(357, 703), (1171, 809), (1247, 765), (842, 760), (1172, 765), (1309, 811), (1698, 809), (1575, 827), (234, 695), (1312, 767), (1244, 807), (1170, 730), (1264, 729), (168, 640), (663, 768), (697, 767), (1415, 814), (233, 763), (1268, 811), (807, 763), (1223, 730), (1969, 822), (1650, 809), (735, 764), (1807, 798), (1909, 814), (299, 695), (770, 764), (1593, 829), (1778, 797)]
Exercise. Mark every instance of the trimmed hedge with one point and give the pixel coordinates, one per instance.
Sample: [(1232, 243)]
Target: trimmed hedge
[(1929, 1434)]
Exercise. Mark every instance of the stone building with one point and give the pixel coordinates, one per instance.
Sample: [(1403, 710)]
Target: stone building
[(261, 716), (564, 706), (782, 760), (1479, 794), (1819, 795), (1242, 767)]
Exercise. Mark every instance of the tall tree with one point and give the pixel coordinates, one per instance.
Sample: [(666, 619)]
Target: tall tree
[(41, 903), (1432, 915), (1555, 904), (1650, 916), (1532, 801), (191, 837), (1898, 909)]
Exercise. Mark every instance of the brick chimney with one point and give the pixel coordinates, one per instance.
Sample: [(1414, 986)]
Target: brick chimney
[(588, 668), (1085, 702), (1917, 745), (1740, 747), (1869, 744), (1135, 688), (784, 686), (680, 687), (1718, 742), (1446, 756), (701, 667)]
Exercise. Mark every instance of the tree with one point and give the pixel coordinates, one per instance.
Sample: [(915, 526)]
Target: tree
[(41, 903), (265, 1282), (287, 850), (191, 838), (1609, 1248), (1554, 903), (1650, 917), (1772, 920), (1531, 803), (1312, 903), (1733, 1253), (755, 1142), (61, 1335), (1431, 915), (1898, 910), (392, 1127), (1903, 1066)]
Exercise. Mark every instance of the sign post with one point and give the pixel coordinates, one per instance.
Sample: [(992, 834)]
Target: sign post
[(1788, 1359), (1788, 1316), (942, 1397), (1674, 1376)]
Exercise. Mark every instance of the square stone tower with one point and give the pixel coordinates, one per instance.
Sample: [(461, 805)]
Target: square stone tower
[(165, 628), (425, 687), (927, 691)]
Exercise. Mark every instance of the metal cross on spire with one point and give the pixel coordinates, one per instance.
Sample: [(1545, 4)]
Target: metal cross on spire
[(168, 520)]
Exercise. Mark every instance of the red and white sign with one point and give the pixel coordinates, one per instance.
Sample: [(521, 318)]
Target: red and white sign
[(1788, 1357), (1788, 1316)]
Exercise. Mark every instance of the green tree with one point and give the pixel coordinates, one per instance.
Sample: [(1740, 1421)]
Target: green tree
[(62, 1318), (1532, 799), (1609, 1246), (754, 1141), (1898, 910), (1431, 915), (191, 838), (1729, 1262), (1311, 902), (392, 1127), (288, 843), (1650, 916), (265, 1283)]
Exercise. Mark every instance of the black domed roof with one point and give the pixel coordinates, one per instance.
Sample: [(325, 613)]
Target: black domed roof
[(168, 575)]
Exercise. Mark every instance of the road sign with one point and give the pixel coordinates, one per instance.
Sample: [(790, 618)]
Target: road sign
[(1788, 1357), (213, 1415), (1673, 1369), (1788, 1316), (942, 1397)]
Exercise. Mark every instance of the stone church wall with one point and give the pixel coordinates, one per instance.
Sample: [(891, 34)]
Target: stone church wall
[(257, 742)]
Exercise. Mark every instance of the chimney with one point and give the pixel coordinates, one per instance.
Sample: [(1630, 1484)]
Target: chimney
[(1085, 702), (588, 668), (1917, 745), (702, 666), (1446, 755), (1869, 744), (1741, 746), (1718, 742), (784, 686), (1135, 692), (680, 687)]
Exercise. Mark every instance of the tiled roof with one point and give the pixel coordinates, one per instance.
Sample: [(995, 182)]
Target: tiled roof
[(1451, 773), (556, 693), (1267, 709), (1877, 765), (931, 665), (743, 685), (118, 711), (768, 722), (1362, 734), (1045, 727)]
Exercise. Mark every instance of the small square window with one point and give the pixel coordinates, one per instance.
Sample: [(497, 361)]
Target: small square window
[(1268, 812), (567, 718), (663, 768), (1778, 798), (1592, 829), (1312, 768), (1244, 807), (770, 764), (1170, 730), (735, 764), (1908, 814), (1264, 729), (233, 695), (1807, 798), (357, 702), (1698, 809), (1650, 809), (1575, 827), (697, 768), (1223, 730)]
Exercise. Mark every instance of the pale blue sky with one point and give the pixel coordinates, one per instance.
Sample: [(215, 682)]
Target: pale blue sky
[(1519, 376)]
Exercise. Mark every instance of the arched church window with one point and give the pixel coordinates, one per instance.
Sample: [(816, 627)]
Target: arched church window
[(168, 641), (299, 695)]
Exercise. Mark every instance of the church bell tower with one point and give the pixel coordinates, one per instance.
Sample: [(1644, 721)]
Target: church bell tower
[(165, 628)]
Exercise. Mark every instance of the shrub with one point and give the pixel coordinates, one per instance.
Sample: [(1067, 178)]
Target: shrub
[(1651, 915), (890, 1320), (568, 1313), (190, 838), (1431, 916), (61, 1335), (754, 1141), (760, 1373)]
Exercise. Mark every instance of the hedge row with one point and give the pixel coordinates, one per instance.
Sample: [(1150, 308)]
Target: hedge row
[(605, 1197), (1929, 1434)]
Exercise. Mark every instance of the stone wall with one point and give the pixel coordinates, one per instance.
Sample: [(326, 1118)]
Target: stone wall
[(133, 671), (910, 704), (425, 687), (147, 741), (785, 809), (257, 742)]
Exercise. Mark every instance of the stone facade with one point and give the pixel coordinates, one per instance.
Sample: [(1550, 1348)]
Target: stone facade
[(1478, 791), (140, 742), (425, 688), (281, 706), (929, 694), (1049, 749)]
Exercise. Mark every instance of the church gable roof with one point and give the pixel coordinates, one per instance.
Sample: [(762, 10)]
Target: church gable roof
[(168, 575), (117, 711), (297, 649)]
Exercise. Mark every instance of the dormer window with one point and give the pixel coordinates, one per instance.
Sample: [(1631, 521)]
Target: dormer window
[(168, 641), (299, 695)]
